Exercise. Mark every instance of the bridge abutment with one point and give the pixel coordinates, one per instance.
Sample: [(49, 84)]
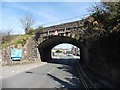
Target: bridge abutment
[(45, 54)]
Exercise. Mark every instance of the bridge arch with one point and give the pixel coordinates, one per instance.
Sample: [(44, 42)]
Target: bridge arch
[(46, 46)]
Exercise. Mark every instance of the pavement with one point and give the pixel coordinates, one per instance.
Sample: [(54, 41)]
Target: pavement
[(62, 74)]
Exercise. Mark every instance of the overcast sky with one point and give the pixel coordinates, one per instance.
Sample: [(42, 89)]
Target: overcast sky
[(45, 13)]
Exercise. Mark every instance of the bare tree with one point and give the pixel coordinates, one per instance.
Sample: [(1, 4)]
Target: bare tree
[(7, 32), (1, 33), (6, 35), (27, 22)]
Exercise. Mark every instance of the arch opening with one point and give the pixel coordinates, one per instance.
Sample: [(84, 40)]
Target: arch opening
[(45, 48), (65, 51)]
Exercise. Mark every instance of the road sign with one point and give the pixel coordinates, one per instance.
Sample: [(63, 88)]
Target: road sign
[(56, 33), (16, 54)]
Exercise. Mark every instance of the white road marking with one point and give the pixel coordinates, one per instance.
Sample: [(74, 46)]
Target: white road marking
[(13, 71), (57, 82), (51, 70), (2, 76), (27, 69), (44, 76)]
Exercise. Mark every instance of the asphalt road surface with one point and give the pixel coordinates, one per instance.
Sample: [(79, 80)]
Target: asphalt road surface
[(61, 74)]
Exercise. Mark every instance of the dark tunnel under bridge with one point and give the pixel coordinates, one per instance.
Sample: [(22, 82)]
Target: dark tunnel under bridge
[(46, 47)]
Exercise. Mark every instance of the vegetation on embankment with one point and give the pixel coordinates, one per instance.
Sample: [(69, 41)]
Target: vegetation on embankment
[(105, 17), (9, 40), (104, 53)]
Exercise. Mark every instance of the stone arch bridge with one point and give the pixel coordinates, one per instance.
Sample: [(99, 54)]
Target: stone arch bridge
[(100, 55), (72, 33)]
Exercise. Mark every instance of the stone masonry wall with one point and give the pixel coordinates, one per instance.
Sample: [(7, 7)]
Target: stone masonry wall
[(29, 53), (104, 56)]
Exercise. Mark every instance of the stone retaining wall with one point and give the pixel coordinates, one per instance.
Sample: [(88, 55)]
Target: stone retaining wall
[(104, 56), (29, 54)]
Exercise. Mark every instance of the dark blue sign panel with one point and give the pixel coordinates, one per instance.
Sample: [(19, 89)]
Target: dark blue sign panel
[(16, 54)]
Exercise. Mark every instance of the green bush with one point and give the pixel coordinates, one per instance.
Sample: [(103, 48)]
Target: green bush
[(39, 29), (31, 32), (58, 51)]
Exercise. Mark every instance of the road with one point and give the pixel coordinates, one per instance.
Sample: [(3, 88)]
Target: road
[(8, 71), (62, 74)]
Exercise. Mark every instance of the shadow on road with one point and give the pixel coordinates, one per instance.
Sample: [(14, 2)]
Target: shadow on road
[(68, 86), (71, 81), (61, 61)]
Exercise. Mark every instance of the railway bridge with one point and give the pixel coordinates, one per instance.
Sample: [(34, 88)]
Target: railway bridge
[(72, 33), (98, 54)]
